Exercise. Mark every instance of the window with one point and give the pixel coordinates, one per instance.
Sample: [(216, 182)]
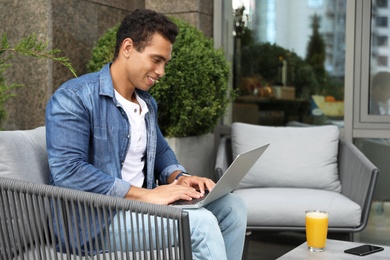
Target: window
[(381, 3), (379, 101), (381, 41), (381, 21), (382, 61), (292, 55), (372, 114)]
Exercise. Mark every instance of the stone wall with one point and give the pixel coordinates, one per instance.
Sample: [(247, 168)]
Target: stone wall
[(197, 12), (21, 19), (72, 26)]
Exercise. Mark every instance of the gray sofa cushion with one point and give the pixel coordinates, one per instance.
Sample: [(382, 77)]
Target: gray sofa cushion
[(301, 157), (268, 206), (23, 155)]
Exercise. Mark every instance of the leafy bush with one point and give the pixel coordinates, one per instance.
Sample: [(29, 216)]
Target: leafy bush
[(28, 46), (103, 52), (193, 94), (263, 59)]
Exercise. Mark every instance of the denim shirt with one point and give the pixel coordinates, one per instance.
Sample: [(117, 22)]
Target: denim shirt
[(88, 137)]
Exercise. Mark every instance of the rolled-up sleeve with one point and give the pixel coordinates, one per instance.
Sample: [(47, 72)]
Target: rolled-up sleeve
[(119, 189), (169, 170)]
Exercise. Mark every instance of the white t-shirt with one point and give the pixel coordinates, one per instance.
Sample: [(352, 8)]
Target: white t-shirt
[(132, 169)]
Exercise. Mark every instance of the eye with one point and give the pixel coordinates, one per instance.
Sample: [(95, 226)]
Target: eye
[(156, 60)]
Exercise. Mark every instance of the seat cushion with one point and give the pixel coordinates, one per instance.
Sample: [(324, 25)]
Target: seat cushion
[(23, 155), (301, 157), (287, 206)]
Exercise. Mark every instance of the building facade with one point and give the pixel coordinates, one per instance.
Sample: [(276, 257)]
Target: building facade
[(72, 26)]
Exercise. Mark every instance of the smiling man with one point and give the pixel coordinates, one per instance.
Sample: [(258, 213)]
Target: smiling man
[(103, 137)]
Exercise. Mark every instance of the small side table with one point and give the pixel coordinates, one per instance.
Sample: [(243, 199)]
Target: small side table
[(334, 250)]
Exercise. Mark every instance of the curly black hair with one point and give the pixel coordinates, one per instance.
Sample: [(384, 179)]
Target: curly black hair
[(140, 25)]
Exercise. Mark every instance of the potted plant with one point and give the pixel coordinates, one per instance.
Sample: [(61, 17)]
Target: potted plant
[(192, 95), (28, 46)]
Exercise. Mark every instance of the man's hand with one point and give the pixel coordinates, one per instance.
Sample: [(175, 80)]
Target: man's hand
[(163, 194), (199, 183)]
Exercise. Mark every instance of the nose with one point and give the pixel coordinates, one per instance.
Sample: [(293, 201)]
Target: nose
[(160, 70)]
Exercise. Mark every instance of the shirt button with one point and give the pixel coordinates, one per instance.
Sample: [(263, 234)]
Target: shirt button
[(135, 110), (128, 136)]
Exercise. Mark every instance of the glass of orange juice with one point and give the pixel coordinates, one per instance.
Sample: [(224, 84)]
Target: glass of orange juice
[(316, 229)]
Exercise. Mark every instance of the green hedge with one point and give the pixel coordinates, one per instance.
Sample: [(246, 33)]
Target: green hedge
[(194, 92)]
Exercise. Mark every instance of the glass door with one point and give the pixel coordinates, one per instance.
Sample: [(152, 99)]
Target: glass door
[(289, 61), (372, 106)]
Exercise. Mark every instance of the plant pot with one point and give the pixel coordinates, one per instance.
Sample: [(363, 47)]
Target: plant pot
[(195, 153)]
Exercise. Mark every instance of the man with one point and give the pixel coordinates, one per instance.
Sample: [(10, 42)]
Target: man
[(103, 137)]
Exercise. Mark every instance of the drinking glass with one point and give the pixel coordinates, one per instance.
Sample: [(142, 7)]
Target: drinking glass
[(316, 229)]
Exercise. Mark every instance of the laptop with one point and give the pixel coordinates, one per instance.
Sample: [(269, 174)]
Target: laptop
[(229, 180)]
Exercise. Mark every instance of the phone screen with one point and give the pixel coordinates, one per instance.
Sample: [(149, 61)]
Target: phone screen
[(364, 250)]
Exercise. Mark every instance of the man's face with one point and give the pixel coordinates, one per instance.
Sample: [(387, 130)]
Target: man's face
[(144, 68)]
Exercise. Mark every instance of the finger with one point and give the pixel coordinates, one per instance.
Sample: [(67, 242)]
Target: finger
[(210, 185), (202, 185), (192, 194)]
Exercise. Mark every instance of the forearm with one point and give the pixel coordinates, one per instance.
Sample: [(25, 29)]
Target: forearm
[(136, 193), (173, 176), (163, 194)]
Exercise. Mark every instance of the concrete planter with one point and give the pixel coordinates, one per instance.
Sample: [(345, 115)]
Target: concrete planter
[(195, 153)]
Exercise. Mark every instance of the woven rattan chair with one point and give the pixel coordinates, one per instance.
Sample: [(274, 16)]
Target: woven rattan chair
[(31, 211), (279, 205)]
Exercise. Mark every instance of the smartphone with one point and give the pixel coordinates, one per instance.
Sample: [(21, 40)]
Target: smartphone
[(364, 250)]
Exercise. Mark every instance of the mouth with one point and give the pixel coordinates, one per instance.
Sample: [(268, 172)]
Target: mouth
[(153, 80)]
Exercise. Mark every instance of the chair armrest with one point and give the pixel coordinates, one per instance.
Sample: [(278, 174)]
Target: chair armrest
[(358, 177), (39, 209), (224, 156)]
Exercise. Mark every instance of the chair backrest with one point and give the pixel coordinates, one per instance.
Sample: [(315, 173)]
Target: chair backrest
[(31, 211), (30, 241), (298, 157), (23, 155)]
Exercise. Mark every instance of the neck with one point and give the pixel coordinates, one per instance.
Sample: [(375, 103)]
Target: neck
[(120, 83)]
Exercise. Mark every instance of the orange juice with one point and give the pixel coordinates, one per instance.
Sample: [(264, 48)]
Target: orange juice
[(316, 229)]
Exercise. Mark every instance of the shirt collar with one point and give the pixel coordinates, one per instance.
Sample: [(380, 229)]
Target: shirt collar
[(107, 87)]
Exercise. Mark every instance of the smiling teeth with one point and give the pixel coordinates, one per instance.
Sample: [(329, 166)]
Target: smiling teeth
[(154, 80)]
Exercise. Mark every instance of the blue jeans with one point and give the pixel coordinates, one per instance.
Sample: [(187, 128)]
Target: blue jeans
[(217, 230)]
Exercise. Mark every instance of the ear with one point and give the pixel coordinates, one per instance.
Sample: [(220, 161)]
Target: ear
[(127, 47)]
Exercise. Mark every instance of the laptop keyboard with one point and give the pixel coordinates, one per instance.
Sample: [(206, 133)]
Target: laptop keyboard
[(190, 202)]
